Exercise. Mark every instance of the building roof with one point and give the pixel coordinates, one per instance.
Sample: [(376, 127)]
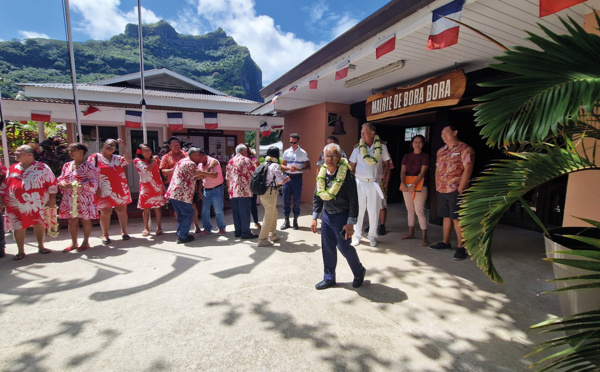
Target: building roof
[(507, 21)]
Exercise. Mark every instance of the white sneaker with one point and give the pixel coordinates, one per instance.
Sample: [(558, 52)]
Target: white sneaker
[(355, 241), (373, 242)]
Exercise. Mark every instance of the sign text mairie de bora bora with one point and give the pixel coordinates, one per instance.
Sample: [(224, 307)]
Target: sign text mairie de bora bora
[(445, 90)]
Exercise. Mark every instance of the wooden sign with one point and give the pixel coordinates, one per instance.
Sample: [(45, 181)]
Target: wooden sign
[(445, 90)]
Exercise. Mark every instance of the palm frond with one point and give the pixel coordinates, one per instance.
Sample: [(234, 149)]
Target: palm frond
[(551, 86), (500, 186)]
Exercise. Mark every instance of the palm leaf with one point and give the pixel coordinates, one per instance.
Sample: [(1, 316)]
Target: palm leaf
[(551, 84), (500, 186)]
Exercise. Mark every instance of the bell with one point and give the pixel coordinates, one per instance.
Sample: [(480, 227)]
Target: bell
[(339, 127)]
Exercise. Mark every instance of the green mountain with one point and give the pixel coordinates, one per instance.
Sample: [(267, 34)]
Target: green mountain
[(214, 59)]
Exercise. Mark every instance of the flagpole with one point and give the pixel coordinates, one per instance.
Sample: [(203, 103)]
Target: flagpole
[(4, 141), (73, 73), (143, 103)]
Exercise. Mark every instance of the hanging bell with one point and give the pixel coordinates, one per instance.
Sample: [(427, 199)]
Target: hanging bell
[(339, 127)]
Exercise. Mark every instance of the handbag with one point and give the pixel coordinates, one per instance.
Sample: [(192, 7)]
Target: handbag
[(410, 180)]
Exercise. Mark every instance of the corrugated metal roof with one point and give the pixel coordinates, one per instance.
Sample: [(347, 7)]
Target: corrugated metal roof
[(148, 92)]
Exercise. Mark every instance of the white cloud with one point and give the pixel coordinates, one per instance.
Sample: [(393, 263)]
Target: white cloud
[(32, 35), (274, 50), (320, 18), (103, 19)]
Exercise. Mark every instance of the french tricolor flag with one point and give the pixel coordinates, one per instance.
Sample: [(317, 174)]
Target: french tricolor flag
[(265, 130), (210, 120), (548, 7), (175, 120), (444, 32), (133, 119), (341, 70), (274, 99), (40, 115), (385, 46)]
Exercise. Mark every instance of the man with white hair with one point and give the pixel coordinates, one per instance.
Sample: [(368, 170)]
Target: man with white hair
[(370, 162), (239, 173)]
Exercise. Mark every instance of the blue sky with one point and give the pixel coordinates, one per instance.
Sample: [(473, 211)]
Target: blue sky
[(279, 34)]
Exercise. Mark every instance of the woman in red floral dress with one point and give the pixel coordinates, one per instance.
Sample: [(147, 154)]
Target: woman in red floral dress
[(113, 190), (29, 187), (152, 190), (78, 177)]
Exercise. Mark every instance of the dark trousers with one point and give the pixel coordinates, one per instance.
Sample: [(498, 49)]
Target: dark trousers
[(185, 213), (254, 208), (331, 226), (292, 189), (241, 216), (2, 232)]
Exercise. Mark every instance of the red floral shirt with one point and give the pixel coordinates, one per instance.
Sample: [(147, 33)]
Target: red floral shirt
[(169, 160), (239, 173), (26, 192), (450, 166), (183, 183), (113, 189), (152, 189)]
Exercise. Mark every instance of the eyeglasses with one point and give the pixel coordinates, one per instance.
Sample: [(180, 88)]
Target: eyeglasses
[(293, 143)]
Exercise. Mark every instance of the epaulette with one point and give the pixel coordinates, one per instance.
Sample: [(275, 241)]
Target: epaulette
[(356, 146), (383, 142)]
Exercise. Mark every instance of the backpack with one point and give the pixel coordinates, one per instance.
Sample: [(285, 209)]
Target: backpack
[(258, 183)]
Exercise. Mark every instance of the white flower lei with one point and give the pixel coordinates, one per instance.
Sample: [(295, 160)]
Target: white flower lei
[(51, 221), (372, 160), (74, 212), (272, 159), (338, 181)]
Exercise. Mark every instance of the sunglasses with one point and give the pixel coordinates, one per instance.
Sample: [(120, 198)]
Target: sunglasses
[(293, 143)]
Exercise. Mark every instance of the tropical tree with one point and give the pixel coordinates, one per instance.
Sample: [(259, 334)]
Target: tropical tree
[(545, 117)]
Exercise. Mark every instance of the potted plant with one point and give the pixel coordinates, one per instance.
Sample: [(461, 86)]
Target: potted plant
[(546, 118)]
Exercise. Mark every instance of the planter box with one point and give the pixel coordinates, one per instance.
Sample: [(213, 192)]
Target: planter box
[(577, 301)]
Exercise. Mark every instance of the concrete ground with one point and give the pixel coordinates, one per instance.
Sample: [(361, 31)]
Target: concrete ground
[(223, 304)]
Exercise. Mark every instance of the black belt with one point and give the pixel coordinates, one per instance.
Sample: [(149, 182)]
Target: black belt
[(294, 175), (212, 188)]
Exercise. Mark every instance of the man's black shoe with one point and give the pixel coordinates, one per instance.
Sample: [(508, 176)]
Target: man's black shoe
[(366, 229), (460, 254), (441, 246), (286, 224), (324, 284), (2, 254), (186, 240), (357, 282), (251, 236), (296, 227), (381, 230)]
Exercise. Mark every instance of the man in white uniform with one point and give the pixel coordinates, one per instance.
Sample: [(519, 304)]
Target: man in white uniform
[(370, 162), (294, 163)]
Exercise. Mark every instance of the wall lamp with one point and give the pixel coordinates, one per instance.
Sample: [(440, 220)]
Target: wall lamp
[(375, 73)]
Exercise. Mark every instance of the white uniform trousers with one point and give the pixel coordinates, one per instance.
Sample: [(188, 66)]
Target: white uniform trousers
[(369, 201)]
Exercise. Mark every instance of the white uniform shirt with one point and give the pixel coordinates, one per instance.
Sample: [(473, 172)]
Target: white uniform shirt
[(297, 158), (366, 171)]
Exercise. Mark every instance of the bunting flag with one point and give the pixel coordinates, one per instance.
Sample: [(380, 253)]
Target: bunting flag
[(341, 71), (265, 130), (548, 7), (40, 115), (277, 127), (274, 99), (293, 89), (175, 120), (90, 110), (312, 84), (444, 32), (385, 46), (133, 119), (210, 120)]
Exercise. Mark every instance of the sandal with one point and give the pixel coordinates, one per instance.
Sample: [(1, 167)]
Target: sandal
[(106, 241), (126, 237), (159, 232), (19, 256), (69, 249), (82, 248), (145, 232), (44, 251)]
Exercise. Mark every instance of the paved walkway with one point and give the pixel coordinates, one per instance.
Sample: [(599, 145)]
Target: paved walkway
[(223, 304)]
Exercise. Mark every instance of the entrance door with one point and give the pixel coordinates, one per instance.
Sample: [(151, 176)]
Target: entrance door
[(136, 138)]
